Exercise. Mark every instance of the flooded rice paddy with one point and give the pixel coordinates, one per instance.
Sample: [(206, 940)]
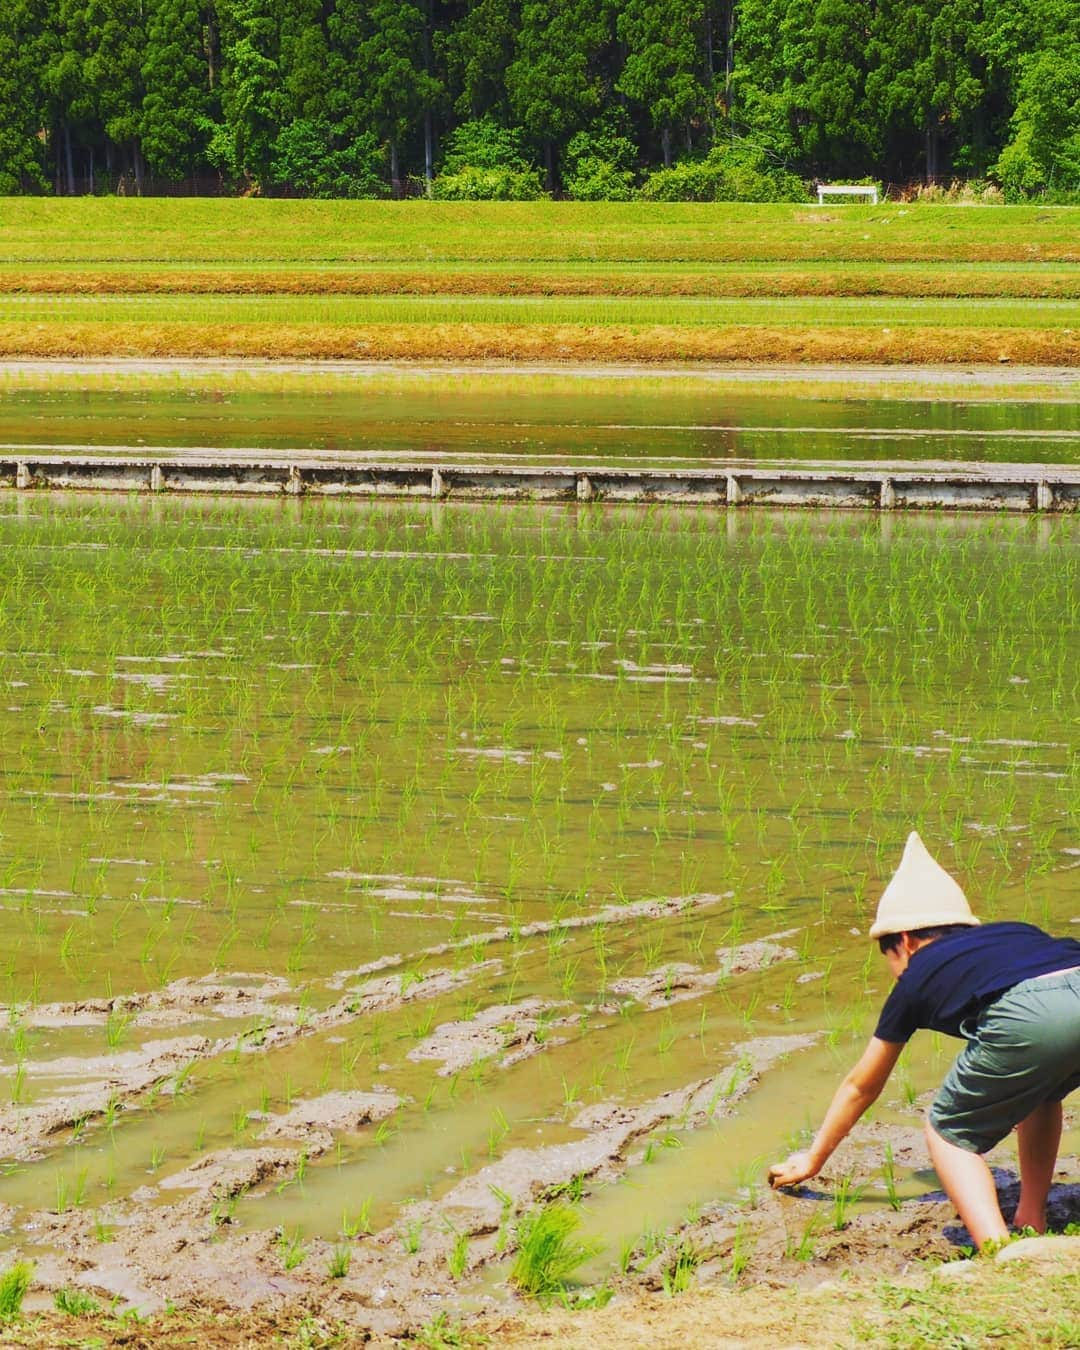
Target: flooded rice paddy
[(370, 872), (661, 417)]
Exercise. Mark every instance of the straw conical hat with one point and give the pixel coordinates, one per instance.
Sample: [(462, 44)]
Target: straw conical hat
[(920, 895)]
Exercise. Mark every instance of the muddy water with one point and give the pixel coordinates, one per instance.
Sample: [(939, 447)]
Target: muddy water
[(476, 417), (556, 830)]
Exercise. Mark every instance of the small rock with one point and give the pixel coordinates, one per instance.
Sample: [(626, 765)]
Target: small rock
[(1050, 1251), (953, 1271)]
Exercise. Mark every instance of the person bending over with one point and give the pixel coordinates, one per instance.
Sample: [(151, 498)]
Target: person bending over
[(1012, 993)]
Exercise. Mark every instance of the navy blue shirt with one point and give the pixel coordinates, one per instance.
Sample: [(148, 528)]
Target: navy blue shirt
[(958, 974)]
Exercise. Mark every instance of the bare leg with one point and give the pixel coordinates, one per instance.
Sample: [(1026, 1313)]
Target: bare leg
[(970, 1187), (1038, 1137)]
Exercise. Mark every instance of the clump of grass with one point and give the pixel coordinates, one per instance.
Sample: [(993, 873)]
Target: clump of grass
[(75, 1302), (14, 1283), (549, 1252)]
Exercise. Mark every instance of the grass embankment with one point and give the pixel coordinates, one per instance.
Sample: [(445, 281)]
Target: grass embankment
[(189, 232), (539, 281)]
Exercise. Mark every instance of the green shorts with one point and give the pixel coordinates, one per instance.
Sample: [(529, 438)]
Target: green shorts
[(1022, 1050)]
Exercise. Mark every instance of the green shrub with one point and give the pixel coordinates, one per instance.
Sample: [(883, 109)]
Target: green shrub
[(483, 144), (735, 172), (1042, 158), (548, 1252), (600, 164), (488, 185), (14, 1283), (311, 159), (598, 180), (485, 162), (692, 180)]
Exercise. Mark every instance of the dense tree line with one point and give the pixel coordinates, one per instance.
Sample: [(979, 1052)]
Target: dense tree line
[(592, 98)]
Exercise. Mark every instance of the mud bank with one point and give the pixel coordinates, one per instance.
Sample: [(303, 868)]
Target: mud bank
[(979, 380), (679, 981), (176, 1242), (112, 1083)]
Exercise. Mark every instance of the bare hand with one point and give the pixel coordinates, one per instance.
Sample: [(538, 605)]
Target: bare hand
[(793, 1170)]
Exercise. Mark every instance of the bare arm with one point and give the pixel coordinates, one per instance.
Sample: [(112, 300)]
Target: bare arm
[(859, 1090)]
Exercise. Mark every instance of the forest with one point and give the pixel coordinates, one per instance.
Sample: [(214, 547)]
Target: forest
[(514, 99)]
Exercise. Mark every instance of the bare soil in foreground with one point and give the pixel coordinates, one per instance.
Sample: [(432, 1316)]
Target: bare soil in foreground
[(857, 1293)]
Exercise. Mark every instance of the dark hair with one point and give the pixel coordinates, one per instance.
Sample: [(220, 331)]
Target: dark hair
[(890, 941)]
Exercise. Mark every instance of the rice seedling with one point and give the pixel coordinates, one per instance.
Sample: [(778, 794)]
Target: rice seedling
[(14, 1283), (411, 1236), (70, 1195), (17, 1090), (888, 1171), (358, 1224), (339, 1262), (678, 1276), (441, 1333), (457, 1259), (572, 1190), (116, 1027), (742, 1250), (223, 1211), (804, 1247), (846, 1193), (291, 1248), (548, 1250)]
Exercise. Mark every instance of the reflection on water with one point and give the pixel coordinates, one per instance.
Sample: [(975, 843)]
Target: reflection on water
[(615, 420)]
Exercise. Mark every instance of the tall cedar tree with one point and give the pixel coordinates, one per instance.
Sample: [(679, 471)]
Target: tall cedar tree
[(477, 50), (835, 131), (24, 39), (665, 62), (925, 76), (554, 82), (252, 95), (177, 113), (397, 90)]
